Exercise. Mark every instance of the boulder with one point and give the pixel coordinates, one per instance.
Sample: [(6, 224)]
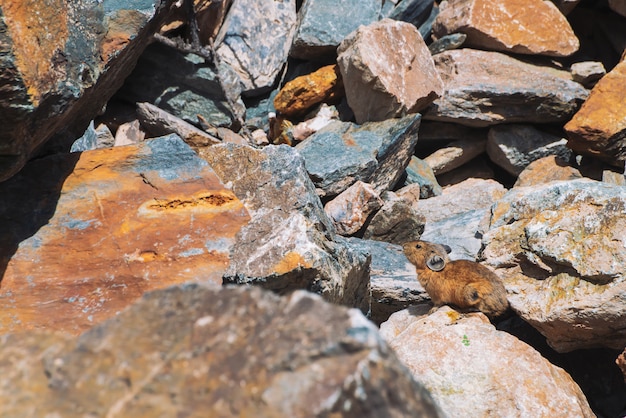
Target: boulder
[(486, 88), (342, 153), (419, 172), (545, 170), (323, 25), (587, 73), (397, 221), (533, 27), (468, 365), (289, 243), (352, 207), (559, 248), (387, 71), (255, 42), (213, 352), (98, 229), (599, 127), (454, 155), (61, 62)]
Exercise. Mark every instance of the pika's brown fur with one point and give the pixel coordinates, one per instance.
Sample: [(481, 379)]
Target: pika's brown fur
[(463, 283)]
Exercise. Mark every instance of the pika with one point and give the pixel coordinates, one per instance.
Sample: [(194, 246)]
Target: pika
[(466, 284)]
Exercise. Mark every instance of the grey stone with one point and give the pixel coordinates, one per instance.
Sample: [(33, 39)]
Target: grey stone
[(447, 43), (352, 207), (255, 41), (454, 155), (419, 172), (397, 221), (289, 243), (587, 73), (376, 153), (323, 25), (413, 11)]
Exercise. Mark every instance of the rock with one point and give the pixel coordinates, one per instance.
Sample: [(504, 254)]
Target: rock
[(459, 359), (61, 62), (410, 194), (97, 229), (478, 168), (533, 27), (290, 243), (255, 42), (545, 170), (559, 248), (322, 118), (447, 43), (415, 12), (94, 138), (398, 221), (587, 73), (304, 92), (323, 25), (393, 279), (352, 207), (419, 172), (129, 133), (463, 197), (185, 86), (618, 6), (376, 153), (599, 127), (387, 71), (513, 147), (485, 88), (565, 6), (454, 155), (158, 122), (216, 352)]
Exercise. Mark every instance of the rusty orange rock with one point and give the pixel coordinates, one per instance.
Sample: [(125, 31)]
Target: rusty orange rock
[(520, 26), (599, 126), (96, 230), (304, 92)]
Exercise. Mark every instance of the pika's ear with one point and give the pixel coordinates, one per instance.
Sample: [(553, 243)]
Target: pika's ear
[(435, 263), (447, 248)]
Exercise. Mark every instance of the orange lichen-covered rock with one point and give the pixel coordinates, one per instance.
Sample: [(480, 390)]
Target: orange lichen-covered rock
[(599, 126), (520, 26), (98, 229), (304, 92)]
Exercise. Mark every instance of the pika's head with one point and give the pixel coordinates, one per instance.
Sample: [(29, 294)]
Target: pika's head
[(424, 254)]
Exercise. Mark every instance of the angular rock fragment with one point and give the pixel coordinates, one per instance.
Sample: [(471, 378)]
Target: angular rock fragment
[(587, 73), (545, 170), (61, 62), (460, 359), (415, 12), (533, 27), (290, 243), (255, 41), (599, 127), (352, 207), (323, 24), (397, 221), (94, 138), (419, 172), (513, 146), (376, 153), (99, 228), (454, 155), (387, 71), (215, 352), (560, 249), (485, 88)]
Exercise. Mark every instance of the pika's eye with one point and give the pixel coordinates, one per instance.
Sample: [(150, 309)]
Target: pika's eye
[(418, 246)]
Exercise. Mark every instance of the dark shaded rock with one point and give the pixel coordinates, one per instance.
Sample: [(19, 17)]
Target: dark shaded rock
[(377, 153), (412, 11), (418, 171), (323, 25), (213, 352), (60, 63)]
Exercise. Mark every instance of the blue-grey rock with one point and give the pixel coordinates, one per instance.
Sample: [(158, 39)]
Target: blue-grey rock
[(416, 12), (183, 85), (393, 279), (375, 152), (255, 39), (258, 110), (325, 23), (418, 171)]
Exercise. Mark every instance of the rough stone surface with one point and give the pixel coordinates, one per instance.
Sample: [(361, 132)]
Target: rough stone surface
[(324, 24), (454, 155), (419, 172), (183, 85), (350, 209), (376, 153), (255, 41), (94, 138), (387, 71), (545, 170), (397, 221), (99, 228), (534, 27), (290, 243), (468, 195), (393, 280), (461, 360), (61, 62), (485, 88), (415, 12), (587, 73), (513, 146), (193, 350), (479, 168), (599, 127), (560, 249), (304, 92)]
